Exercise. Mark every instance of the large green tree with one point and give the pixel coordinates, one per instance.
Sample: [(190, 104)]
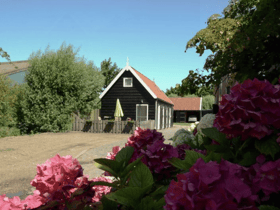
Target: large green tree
[(57, 84), (246, 42), (109, 71), (189, 87)]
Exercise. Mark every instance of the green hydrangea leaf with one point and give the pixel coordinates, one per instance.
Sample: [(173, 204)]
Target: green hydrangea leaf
[(213, 133), (213, 157), (266, 207), (268, 146), (141, 176), (124, 154), (249, 158)]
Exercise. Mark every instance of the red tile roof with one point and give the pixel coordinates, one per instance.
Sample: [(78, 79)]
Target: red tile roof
[(152, 85), (191, 103)]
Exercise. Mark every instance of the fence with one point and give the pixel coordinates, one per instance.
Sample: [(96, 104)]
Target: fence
[(108, 126), (93, 115)]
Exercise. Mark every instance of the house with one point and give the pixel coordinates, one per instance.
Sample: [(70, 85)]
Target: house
[(224, 88), (140, 99), (185, 107)]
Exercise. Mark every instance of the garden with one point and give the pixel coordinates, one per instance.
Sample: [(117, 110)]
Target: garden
[(230, 160)]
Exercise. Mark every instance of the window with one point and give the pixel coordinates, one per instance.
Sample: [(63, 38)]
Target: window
[(127, 82), (142, 112)]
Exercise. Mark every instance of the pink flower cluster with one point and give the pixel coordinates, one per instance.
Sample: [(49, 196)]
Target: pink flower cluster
[(250, 110), (223, 186), (149, 143), (57, 180)]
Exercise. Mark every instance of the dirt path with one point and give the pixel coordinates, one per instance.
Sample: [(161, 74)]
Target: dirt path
[(20, 155)]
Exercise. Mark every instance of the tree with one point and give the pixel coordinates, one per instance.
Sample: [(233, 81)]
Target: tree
[(207, 102), (246, 44), (191, 85), (204, 91), (4, 54), (174, 91), (57, 84), (7, 101), (109, 71)]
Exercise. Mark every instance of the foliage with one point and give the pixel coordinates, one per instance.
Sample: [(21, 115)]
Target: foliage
[(207, 102), (109, 71), (173, 91), (4, 54), (246, 42), (57, 84), (190, 87), (8, 99), (178, 132)]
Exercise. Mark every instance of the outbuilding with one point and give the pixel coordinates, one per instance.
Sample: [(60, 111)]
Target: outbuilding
[(140, 98)]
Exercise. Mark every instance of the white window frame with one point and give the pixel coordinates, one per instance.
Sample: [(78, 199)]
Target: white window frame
[(147, 105), (127, 78)]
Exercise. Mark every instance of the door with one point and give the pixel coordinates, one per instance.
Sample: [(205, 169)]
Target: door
[(142, 112)]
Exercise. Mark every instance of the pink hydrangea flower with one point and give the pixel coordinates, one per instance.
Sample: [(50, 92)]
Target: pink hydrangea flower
[(250, 110)]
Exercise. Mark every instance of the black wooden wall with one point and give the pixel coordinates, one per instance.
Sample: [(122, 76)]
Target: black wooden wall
[(129, 97)]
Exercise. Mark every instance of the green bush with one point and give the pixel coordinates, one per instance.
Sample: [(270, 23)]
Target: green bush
[(207, 102), (7, 131)]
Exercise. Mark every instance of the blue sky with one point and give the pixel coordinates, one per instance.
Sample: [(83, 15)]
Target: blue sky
[(152, 33)]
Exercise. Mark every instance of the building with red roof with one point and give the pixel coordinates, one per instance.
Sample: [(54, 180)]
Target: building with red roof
[(140, 99)]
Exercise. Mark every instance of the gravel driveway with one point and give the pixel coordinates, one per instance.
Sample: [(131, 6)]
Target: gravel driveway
[(85, 157)]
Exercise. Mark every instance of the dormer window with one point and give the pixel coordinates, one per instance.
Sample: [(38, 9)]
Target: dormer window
[(127, 82)]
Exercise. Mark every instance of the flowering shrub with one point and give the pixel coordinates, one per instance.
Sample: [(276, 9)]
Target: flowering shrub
[(195, 131), (56, 181), (183, 138), (193, 126), (223, 186), (183, 147), (178, 132), (250, 110), (205, 122), (219, 174), (149, 144)]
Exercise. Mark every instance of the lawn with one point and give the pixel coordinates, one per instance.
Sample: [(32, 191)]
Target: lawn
[(183, 124)]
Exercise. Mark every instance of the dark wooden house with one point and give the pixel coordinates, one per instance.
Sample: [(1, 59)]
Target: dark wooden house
[(140, 99), (185, 107)]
